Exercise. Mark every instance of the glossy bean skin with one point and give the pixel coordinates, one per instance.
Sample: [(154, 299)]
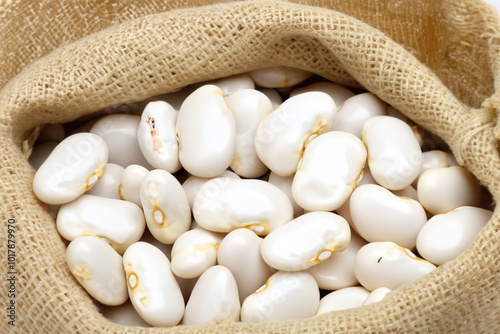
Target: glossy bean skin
[(443, 189), (152, 287), (98, 268), (225, 204), (447, 235), (385, 264), (165, 205), (72, 168), (156, 136), (279, 76), (206, 132), (214, 299), (130, 185), (283, 135), (286, 295), (343, 299), (394, 154), (328, 171), (306, 241), (120, 222)]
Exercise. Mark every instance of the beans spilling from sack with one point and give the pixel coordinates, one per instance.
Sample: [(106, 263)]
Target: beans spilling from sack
[(264, 196)]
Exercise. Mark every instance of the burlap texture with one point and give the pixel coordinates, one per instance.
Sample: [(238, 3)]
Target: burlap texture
[(436, 61)]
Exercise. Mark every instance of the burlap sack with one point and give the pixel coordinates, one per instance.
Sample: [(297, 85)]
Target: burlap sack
[(437, 61)]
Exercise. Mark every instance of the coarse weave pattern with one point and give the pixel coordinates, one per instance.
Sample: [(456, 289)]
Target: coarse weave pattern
[(436, 61)]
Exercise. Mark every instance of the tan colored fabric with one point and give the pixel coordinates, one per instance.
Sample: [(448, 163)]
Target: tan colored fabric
[(437, 61)]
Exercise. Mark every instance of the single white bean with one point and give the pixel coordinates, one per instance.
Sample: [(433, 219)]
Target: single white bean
[(380, 215), (447, 235), (285, 184), (194, 252), (337, 271), (156, 136), (232, 84), (306, 241), (109, 183), (152, 287), (120, 222), (225, 204), (282, 136), (286, 295), (385, 264), (249, 107), (71, 169), (279, 76), (328, 171), (165, 206), (214, 299), (337, 92), (206, 132), (239, 251), (394, 155), (98, 268), (356, 110), (343, 299), (119, 131), (130, 185), (376, 295), (193, 184), (443, 189)]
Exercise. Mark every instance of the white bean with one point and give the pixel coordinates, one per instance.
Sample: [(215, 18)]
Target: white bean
[(376, 295), (306, 241), (232, 84), (119, 131), (379, 215), (239, 251), (156, 136), (286, 295), (130, 185), (328, 171), (279, 76), (343, 299), (98, 268), (282, 136), (385, 264), (337, 92), (447, 235), (249, 107), (120, 222), (109, 182), (214, 299), (152, 287), (225, 204), (337, 271), (72, 168), (394, 155), (443, 189), (194, 252), (206, 132), (356, 110), (165, 206)]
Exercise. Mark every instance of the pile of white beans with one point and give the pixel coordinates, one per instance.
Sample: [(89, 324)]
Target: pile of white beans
[(221, 202)]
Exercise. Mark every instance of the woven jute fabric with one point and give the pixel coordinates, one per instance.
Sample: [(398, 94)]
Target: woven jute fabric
[(436, 61)]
